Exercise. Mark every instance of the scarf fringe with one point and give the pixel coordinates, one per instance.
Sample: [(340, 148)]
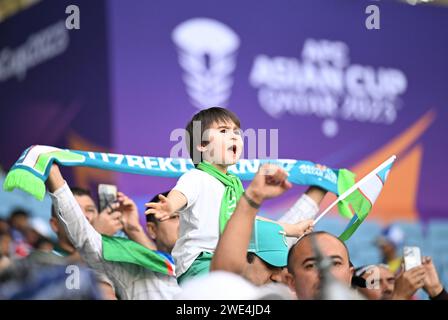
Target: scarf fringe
[(26, 181)]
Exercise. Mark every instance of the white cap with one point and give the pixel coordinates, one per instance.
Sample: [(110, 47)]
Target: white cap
[(221, 285), (393, 234), (41, 226)]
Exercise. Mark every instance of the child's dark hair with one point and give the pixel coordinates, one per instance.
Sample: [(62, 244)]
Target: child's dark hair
[(151, 217), (206, 118)]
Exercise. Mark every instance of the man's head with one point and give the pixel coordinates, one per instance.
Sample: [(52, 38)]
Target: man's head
[(267, 254), (390, 241), (380, 282), (85, 201), (164, 233), (19, 219), (303, 274), (214, 135), (259, 272)]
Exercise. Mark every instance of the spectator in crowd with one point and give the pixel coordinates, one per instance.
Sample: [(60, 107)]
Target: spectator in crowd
[(5, 246), (131, 281), (206, 196), (103, 222), (65, 249), (389, 242), (432, 284), (4, 226), (304, 275), (44, 244), (163, 233), (423, 277), (379, 282), (19, 227), (19, 221)]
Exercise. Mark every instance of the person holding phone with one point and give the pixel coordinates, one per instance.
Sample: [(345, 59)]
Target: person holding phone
[(131, 281), (424, 277), (107, 221)]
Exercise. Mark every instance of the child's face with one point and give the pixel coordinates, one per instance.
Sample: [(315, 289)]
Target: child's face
[(225, 143)]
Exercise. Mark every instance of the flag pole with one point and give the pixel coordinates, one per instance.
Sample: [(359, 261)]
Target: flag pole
[(355, 186)]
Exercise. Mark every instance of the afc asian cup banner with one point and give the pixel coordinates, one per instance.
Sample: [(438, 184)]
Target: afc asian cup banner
[(309, 78)]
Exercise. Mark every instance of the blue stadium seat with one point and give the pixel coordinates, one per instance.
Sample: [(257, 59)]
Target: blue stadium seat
[(366, 257), (438, 229), (367, 232), (413, 233), (333, 225), (437, 238), (18, 199)]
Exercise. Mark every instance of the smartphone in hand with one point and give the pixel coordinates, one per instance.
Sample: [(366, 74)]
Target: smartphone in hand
[(412, 257), (107, 194)]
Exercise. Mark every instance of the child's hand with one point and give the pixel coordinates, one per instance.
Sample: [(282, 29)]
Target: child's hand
[(162, 209), (299, 229)]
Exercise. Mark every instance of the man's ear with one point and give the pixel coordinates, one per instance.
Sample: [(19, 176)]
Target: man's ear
[(151, 228), (54, 225), (352, 272), (291, 282)]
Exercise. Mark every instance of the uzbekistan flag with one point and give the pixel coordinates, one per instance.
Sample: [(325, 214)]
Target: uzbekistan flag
[(363, 195), (119, 249)]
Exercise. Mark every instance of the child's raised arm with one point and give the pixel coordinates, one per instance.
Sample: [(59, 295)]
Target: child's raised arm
[(297, 229), (167, 206)]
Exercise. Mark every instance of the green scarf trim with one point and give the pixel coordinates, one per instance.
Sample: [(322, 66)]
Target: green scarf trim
[(232, 193)]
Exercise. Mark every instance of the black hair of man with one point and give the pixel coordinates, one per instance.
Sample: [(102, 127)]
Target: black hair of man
[(78, 191), (151, 217)]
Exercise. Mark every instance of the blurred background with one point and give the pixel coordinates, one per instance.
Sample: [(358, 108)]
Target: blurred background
[(338, 92)]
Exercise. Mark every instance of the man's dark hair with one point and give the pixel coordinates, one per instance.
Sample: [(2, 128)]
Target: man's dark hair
[(357, 280), (206, 118), (316, 233), (250, 259), (151, 217), (77, 191), (41, 241), (18, 213)]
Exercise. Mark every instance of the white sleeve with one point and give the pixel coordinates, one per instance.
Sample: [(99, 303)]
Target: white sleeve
[(102, 277), (304, 208), (189, 185), (79, 231)]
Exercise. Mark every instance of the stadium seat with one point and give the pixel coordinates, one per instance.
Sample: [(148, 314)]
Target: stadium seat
[(413, 233)]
